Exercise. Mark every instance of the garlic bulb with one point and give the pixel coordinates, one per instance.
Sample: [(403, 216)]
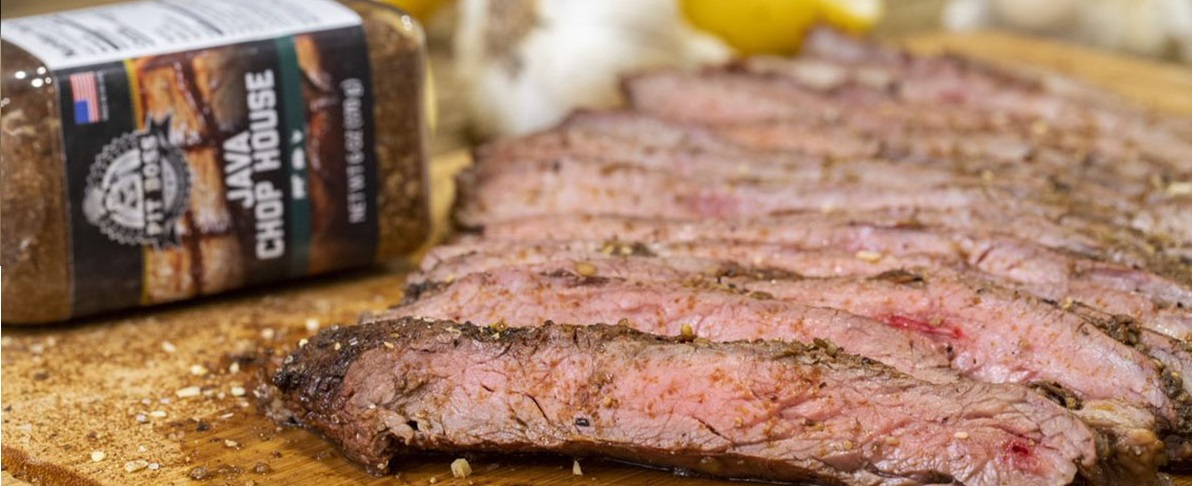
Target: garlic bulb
[(525, 64), (1157, 28)]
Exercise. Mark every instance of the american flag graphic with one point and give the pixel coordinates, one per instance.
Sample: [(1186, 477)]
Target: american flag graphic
[(86, 97)]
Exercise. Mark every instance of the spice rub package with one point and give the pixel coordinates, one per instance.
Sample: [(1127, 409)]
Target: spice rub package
[(159, 151)]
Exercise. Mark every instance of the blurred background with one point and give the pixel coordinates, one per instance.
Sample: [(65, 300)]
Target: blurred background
[(504, 67)]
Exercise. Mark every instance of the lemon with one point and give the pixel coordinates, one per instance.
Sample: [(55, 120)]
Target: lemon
[(777, 26), (420, 9), (755, 26), (852, 15)]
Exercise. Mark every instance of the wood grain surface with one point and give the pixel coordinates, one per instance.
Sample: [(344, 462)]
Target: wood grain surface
[(109, 388)]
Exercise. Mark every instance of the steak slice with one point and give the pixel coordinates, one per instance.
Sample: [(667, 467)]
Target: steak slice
[(545, 152), (831, 259), (728, 182), (1153, 202), (678, 150), (997, 155), (724, 97), (984, 331), (463, 257), (766, 261), (642, 293), (982, 321), (528, 296), (765, 410), (633, 138), (1130, 178), (449, 263), (955, 82), (992, 154), (1158, 303), (646, 130), (569, 186), (1078, 239), (954, 79), (995, 148)]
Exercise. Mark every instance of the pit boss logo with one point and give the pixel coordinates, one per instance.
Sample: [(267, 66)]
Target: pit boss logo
[(138, 187)]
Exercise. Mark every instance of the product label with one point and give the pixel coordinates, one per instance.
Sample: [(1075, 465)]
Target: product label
[(131, 30), (210, 145)]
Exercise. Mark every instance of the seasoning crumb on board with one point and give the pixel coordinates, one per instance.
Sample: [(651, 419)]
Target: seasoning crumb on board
[(199, 473), (460, 468)]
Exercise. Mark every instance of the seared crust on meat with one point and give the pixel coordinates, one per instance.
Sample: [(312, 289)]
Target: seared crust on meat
[(395, 393)]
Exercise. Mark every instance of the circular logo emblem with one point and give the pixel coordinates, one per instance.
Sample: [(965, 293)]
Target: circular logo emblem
[(138, 187)]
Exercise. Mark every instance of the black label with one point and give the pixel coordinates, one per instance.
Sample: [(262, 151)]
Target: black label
[(106, 271)]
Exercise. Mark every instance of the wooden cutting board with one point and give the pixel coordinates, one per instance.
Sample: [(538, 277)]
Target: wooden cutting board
[(97, 401)]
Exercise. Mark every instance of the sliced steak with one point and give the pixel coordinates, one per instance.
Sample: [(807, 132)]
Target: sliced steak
[(995, 153), (998, 156), (760, 261), (655, 149), (1094, 181), (1093, 187), (527, 297), (1160, 303), (954, 79), (953, 82), (652, 131), (568, 186), (449, 262), (981, 321), (677, 296), (1119, 170), (764, 410), (546, 152), (990, 334), (723, 97)]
